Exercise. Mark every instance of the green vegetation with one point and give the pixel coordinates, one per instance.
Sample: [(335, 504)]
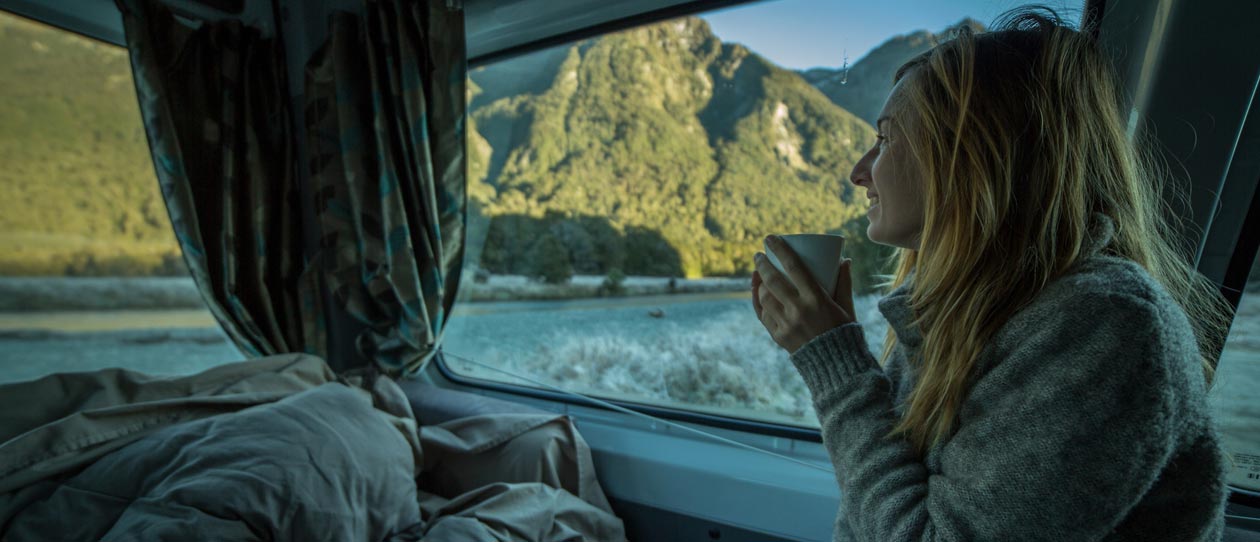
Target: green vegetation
[(614, 283), (78, 194), (656, 151), (666, 130)]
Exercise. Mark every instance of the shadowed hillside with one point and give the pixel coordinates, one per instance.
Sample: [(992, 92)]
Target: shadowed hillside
[(665, 131), (666, 127)]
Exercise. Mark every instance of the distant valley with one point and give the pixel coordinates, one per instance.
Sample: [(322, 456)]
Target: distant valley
[(661, 150)]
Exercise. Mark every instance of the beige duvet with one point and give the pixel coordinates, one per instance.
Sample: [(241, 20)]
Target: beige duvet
[(280, 448)]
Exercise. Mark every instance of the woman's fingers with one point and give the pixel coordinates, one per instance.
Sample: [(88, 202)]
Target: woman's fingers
[(756, 293), (771, 307), (807, 287), (772, 280), (791, 319), (768, 308)]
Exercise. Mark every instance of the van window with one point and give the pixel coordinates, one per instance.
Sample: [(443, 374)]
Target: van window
[(90, 273), (1233, 397), (619, 187)]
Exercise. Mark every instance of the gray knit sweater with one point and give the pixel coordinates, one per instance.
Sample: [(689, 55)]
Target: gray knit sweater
[(1088, 420)]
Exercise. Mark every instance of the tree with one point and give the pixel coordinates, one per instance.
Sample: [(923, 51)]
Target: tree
[(578, 241), (614, 283), (648, 253), (551, 260)]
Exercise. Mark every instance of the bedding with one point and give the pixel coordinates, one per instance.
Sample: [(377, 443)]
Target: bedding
[(280, 448)]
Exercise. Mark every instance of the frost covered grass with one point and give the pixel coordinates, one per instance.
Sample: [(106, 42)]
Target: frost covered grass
[(24, 294), (726, 361), (700, 351), (519, 287), (20, 294)]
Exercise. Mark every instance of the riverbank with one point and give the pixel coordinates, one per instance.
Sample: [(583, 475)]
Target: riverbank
[(30, 294), (520, 288)]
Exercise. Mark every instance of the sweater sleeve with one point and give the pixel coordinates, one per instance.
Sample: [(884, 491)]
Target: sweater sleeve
[(1057, 441)]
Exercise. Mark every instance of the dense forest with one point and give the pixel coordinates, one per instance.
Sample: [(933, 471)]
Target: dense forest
[(660, 150), (78, 194), (685, 150)]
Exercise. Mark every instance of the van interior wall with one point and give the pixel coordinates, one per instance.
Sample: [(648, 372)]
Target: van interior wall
[(1193, 94)]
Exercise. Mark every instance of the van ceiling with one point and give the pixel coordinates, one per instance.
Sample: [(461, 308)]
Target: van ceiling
[(494, 27), (93, 18)]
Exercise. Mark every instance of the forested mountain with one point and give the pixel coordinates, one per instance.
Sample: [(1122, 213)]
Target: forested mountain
[(658, 150), (664, 129), (77, 189)]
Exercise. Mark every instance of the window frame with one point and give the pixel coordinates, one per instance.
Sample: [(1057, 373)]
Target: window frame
[(664, 412), (1245, 251), (99, 20)]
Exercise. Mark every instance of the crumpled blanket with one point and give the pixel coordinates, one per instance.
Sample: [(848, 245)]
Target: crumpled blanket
[(280, 448)]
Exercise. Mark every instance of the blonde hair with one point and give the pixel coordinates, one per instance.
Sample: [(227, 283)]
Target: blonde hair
[(1018, 136)]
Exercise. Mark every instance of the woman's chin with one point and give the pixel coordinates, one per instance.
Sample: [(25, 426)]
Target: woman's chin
[(876, 235)]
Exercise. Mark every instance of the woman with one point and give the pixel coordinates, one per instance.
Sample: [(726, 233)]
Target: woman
[(1045, 371)]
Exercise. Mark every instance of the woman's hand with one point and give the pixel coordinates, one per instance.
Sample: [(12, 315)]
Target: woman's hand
[(795, 308)]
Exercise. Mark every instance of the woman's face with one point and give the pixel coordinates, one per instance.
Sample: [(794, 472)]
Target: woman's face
[(889, 175)]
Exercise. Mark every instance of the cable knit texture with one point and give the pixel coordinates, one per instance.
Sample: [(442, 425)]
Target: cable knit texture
[(1087, 420)]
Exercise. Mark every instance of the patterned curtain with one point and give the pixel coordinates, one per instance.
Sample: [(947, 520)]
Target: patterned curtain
[(385, 128), (381, 175)]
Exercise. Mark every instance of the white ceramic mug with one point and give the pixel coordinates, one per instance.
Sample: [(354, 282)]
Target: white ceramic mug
[(820, 252)]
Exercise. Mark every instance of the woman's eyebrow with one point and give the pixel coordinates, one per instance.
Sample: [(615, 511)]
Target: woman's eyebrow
[(881, 120)]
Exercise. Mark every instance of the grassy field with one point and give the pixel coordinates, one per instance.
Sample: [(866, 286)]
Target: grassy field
[(42, 294), (704, 352), (78, 194)]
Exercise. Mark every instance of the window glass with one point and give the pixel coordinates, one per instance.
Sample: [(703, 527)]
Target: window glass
[(620, 186), (1233, 395), (90, 274)]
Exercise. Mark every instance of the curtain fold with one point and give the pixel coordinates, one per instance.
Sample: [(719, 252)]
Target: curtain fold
[(384, 118), (378, 155)]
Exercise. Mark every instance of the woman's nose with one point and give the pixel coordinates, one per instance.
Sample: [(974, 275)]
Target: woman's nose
[(861, 174)]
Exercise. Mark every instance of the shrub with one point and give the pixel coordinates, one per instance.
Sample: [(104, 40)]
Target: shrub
[(551, 261), (613, 283)]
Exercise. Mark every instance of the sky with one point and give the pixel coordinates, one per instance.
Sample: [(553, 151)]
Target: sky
[(800, 34)]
